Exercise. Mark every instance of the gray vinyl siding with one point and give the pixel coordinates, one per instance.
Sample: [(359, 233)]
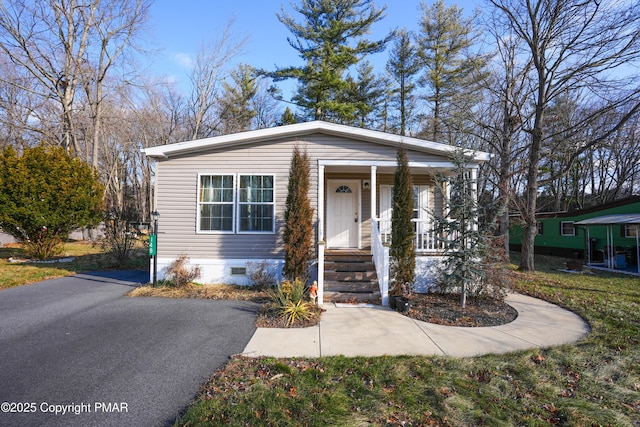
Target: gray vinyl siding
[(177, 183)]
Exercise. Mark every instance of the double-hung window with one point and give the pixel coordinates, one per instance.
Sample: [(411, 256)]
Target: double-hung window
[(230, 203), (256, 203), (631, 230), (567, 228), (216, 203)]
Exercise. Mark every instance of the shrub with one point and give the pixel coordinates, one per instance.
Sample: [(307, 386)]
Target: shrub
[(402, 251), (262, 274), (290, 301), (45, 194), (179, 273), (298, 218), (118, 238), (300, 310)]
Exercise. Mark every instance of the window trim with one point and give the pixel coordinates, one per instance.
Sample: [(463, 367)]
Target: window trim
[(239, 203), (628, 227), (199, 203), (573, 227)]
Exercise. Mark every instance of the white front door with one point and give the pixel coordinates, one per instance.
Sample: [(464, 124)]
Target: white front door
[(343, 214)]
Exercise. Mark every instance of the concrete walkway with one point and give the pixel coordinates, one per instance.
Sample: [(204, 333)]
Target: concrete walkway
[(376, 331)]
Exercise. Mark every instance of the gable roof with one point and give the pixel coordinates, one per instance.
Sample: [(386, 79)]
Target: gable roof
[(299, 129), (610, 205)]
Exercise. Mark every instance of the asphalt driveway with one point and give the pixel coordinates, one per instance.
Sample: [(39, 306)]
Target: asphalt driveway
[(77, 345)]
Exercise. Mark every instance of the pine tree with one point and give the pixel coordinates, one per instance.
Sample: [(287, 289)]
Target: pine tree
[(287, 117), (402, 249), (403, 65), (368, 93), (298, 219), (330, 39), (235, 110), (445, 39)]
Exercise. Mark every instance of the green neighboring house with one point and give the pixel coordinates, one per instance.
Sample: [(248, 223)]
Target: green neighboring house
[(558, 234)]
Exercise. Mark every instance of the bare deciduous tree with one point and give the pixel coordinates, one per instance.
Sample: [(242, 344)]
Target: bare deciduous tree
[(211, 68), (499, 124), (116, 24), (578, 46)]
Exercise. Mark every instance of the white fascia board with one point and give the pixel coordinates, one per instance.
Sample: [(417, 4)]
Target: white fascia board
[(164, 151)]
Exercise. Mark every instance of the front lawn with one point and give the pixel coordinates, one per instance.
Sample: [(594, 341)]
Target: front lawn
[(593, 382), (86, 256)]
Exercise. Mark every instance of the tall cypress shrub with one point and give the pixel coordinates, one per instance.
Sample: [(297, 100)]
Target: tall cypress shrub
[(402, 251), (298, 218)]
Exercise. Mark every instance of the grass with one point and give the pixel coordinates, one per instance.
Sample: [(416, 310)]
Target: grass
[(595, 382), (87, 257)]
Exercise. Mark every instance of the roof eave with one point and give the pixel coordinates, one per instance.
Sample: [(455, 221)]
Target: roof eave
[(165, 151)]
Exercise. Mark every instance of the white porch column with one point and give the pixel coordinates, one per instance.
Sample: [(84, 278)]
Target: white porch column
[(447, 198), (474, 192), (374, 202), (320, 212), (321, 242)]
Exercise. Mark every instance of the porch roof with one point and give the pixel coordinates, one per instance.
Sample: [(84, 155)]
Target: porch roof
[(617, 219), (299, 129)]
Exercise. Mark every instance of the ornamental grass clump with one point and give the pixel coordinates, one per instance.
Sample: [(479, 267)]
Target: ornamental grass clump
[(290, 302)]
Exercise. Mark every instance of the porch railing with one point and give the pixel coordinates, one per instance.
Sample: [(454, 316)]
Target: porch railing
[(380, 252), (427, 239)]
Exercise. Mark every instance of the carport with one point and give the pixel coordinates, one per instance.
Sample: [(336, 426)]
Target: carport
[(613, 255)]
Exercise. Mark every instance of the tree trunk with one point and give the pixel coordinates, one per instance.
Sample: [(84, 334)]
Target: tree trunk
[(530, 227)]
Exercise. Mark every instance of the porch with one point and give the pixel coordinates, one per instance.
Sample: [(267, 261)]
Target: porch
[(616, 254), (354, 226)]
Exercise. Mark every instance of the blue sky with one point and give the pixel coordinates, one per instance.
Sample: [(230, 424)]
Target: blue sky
[(180, 28)]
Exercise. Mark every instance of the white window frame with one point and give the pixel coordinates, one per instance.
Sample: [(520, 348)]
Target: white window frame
[(239, 204), (199, 203), (630, 230), (573, 228)]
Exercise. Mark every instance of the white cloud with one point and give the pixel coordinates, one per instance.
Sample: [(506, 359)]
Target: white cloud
[(184, 60)]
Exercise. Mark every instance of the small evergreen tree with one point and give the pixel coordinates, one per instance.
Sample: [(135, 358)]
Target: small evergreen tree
[(45, 194), (473, 264), (298, 219), (402, 251)]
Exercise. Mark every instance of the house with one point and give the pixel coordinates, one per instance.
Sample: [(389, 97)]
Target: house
[(221, 200), (605, 234)]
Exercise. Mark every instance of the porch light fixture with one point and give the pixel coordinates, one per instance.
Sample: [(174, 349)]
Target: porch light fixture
[(366, 184)]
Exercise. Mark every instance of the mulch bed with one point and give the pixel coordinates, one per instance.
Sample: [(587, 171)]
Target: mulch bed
[(445, 309), (269, 319), (442, 309)]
